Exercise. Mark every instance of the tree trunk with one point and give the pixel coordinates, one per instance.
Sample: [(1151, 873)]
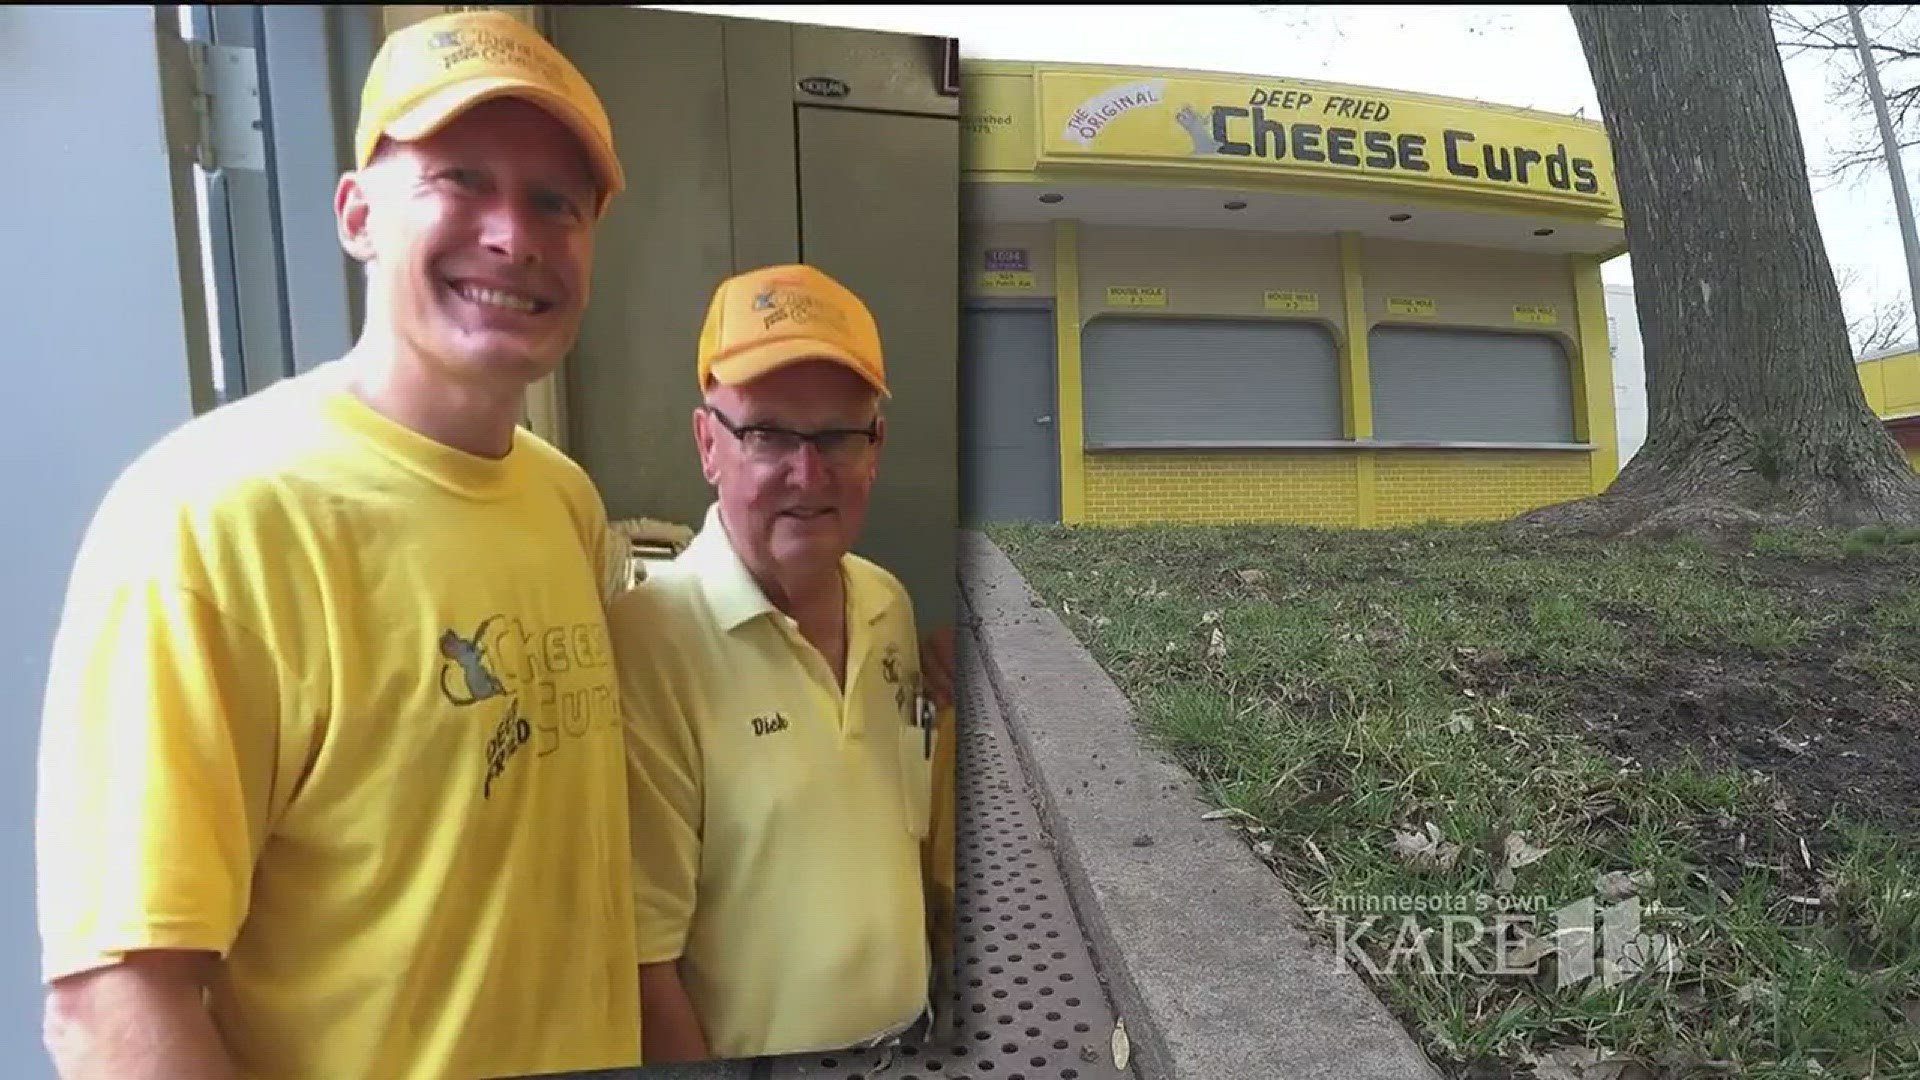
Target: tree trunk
[(1756, 415)]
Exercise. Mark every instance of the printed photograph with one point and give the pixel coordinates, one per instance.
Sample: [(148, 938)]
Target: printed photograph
[(531, 652)]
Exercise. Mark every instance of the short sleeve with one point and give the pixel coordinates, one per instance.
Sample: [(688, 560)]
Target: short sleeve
[(663, 783), (159, 739), (616, 565)]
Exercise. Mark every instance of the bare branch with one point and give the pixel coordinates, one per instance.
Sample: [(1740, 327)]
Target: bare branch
[(1869, 155), (1794, 31), (1885, 325)]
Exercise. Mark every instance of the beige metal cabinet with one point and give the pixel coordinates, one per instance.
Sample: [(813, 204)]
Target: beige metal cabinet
[(736, 158)]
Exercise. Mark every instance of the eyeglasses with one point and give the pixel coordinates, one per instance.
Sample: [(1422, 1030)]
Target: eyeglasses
[(767, 443)]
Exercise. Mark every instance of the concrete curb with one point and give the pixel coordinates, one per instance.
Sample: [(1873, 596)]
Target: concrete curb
[(1201, 948)]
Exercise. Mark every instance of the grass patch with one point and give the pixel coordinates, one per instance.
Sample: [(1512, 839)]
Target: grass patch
[(1434, 713)]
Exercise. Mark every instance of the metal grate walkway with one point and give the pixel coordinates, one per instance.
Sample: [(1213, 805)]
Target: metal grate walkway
[(1027, 1002)]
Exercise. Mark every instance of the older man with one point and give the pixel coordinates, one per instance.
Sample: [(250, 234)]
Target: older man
[(779, 736), (331, 781)]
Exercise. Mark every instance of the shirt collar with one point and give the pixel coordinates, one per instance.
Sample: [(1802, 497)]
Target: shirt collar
[(736, 599)]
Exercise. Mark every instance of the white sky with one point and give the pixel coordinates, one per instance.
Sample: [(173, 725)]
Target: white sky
[(1526, 56)]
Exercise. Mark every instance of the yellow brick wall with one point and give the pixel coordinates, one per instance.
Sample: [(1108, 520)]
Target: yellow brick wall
[(1413, 486), (1303, 487)]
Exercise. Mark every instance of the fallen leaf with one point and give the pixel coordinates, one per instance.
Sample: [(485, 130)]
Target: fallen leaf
[(1101, 622), (1459, 723), (1618, 885), (1209, 618), (1520, 853), (1122, 1049), (1580, 1063), (1217, 645), (1503, 880), (1227, 812), (1252, 577), (1425, 849), (1757, 992), (1264, 849)]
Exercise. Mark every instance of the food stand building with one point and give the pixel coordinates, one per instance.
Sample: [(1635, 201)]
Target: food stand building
[(1193, 297), (1891, 381)]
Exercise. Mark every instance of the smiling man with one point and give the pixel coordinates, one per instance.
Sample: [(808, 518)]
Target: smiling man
[(777, 727), (331, 773)]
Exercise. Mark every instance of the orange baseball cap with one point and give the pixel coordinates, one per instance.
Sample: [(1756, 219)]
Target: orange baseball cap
[(432, 71), (777, 315)]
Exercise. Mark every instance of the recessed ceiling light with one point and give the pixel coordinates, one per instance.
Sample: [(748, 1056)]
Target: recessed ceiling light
[(1236, 205), (1052, 197), (1399, 217), (1543, 232)]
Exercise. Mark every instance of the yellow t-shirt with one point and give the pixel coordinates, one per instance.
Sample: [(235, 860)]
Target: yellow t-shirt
[(337, 702), (777, 822)]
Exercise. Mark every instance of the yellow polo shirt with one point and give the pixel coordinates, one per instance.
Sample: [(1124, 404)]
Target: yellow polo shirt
[(777, 821)]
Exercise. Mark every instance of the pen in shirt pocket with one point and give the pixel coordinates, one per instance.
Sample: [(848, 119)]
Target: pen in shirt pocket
[(924, 714)]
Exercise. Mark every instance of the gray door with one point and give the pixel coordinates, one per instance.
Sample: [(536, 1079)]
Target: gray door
[(1009, 448), (879, 210)]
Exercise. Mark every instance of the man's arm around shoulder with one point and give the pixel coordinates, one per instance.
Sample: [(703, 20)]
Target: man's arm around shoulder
[(669, 1028), (144, 1018)]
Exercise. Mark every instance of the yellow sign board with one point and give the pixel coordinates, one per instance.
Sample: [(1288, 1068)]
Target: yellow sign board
[(1280, 300), (1313, 129), (1006, 279), (996, 123), (1136, 296), (1410, 305), (1536, 314)]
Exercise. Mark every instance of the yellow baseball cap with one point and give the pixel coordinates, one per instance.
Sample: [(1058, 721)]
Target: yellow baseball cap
[(432, 71), (777, 315)]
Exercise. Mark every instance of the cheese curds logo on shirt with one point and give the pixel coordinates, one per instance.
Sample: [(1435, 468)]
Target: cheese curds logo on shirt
[(554, 683), (915, 710)]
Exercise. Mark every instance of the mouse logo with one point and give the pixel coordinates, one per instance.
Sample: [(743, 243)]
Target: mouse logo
[(1197, 130), (468, 657)]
